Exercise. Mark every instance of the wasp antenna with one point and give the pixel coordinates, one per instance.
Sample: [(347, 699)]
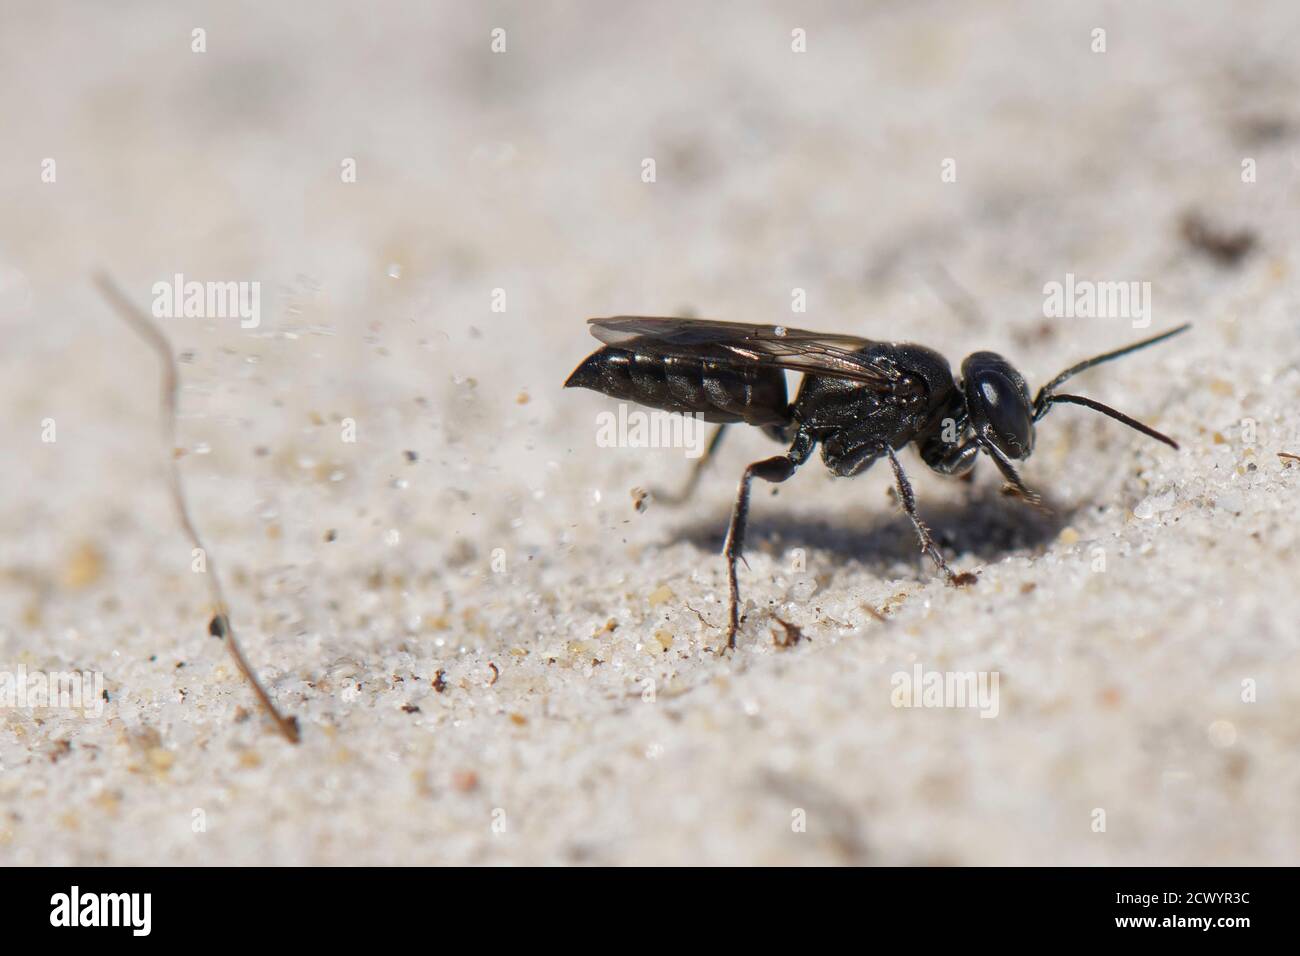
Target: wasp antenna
[(1044, 397), (1113, 413)]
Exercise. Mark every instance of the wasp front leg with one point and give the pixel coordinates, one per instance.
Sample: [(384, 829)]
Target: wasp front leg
[(955, 461)]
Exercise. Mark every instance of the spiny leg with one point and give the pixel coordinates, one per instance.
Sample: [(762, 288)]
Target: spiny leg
[(1013, 477), (776, 469), (922, 532), (698, 470)]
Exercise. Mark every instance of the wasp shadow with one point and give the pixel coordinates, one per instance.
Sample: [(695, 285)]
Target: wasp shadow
[(984, 525)]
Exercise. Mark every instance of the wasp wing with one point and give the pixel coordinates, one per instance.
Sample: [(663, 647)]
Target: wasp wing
[(741, 343)]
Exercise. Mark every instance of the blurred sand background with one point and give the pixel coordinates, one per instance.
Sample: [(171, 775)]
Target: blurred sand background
[(507, 556)]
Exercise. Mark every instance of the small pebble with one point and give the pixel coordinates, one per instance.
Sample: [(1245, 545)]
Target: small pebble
[(659, 595)]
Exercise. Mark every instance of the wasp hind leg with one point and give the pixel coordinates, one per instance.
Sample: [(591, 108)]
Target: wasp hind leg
[(701, 463)]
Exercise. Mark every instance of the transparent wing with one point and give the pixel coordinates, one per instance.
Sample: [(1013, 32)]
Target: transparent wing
[(815, 353)]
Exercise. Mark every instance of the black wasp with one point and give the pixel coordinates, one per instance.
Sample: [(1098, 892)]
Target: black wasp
[(859, 399)]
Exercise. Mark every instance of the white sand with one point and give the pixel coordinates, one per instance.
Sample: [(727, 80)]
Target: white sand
[(1119, 689)]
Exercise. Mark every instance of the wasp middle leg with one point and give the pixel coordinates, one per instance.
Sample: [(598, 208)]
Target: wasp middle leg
[(908, 500), (775, 470)]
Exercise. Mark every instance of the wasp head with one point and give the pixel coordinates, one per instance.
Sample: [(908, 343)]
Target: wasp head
[(1003, 415), (998, 403)]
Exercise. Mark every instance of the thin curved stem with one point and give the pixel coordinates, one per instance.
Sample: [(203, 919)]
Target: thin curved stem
[(220, 624)]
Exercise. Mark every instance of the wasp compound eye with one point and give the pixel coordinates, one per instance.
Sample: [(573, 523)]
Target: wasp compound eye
[(997, 399)]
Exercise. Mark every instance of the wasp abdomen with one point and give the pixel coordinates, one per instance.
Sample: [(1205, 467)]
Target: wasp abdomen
[(721, 393)]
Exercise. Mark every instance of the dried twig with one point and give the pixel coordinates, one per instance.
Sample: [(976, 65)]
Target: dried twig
[(220, 624), (874, 613), (792, 636)]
